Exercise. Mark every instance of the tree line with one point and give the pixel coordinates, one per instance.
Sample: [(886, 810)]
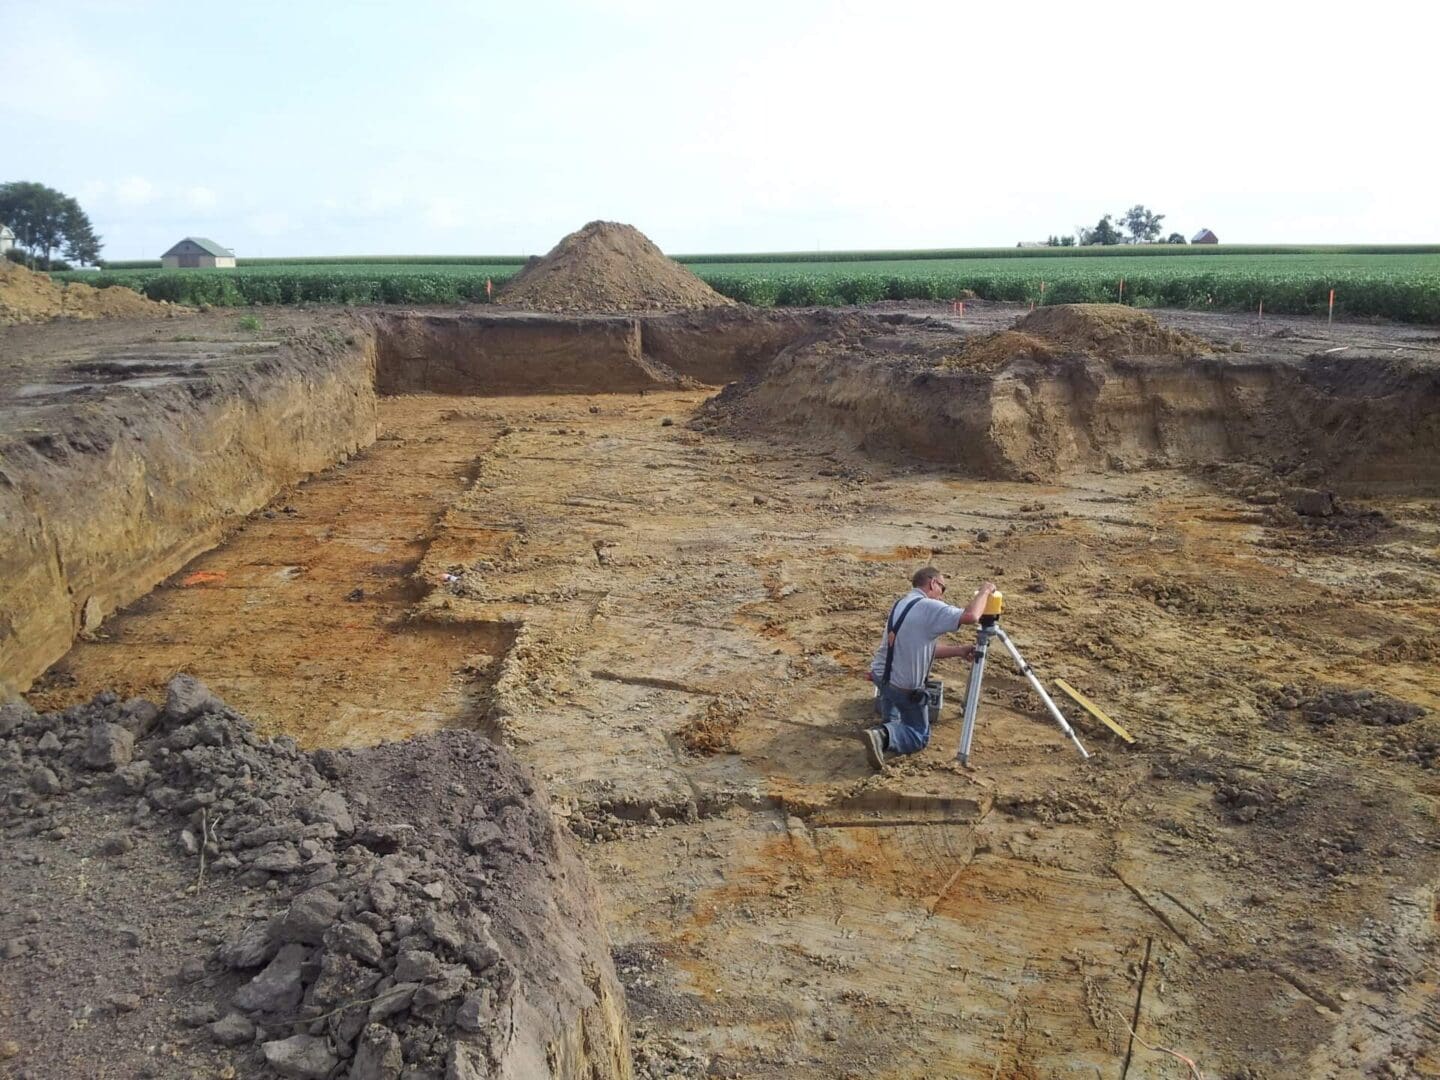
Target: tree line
[(1143, 225), (46, 222)]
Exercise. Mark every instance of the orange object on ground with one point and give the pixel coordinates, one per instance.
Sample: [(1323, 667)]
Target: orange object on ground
[(202, 577)]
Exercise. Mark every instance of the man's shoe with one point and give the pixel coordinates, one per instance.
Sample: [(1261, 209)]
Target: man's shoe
[(875, 746)]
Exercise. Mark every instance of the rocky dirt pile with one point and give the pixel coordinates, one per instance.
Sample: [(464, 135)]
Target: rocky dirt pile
[(27, 297), (608, 267), (1109, 330), (183, 897)]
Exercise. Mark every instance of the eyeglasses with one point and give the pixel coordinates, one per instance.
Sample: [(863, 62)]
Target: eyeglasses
[(942, 587)]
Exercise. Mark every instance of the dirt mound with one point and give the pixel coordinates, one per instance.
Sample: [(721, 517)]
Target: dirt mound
[(1110, 389), (1109, 330), (993, 351), (607, 266), (27, 297), (351, 914)]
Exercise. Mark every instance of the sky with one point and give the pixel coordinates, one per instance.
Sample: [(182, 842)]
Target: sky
[(313, 127)]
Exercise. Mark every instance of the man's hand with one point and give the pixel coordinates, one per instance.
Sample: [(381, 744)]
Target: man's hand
[(964, 652), (976, 607)]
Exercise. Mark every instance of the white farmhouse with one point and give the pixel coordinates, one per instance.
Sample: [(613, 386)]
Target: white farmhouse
[(196, 251)]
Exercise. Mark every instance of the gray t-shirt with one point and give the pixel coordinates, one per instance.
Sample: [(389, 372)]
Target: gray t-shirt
[(915, 643)]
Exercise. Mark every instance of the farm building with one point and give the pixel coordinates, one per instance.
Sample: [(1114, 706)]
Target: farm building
[(7, 239), (1204, 236), (196, 251)]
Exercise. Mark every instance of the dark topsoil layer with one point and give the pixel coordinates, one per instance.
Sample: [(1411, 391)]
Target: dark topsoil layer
[(184, 898)]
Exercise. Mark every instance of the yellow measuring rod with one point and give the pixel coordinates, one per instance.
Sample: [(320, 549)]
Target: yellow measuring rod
[(1093, 709)]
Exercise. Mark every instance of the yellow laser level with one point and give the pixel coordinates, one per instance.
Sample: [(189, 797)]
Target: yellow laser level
[(995, 605)]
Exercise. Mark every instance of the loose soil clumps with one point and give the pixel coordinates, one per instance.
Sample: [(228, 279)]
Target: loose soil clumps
[(1111, 331), (26, 297), (993, 351), (608, 267), (184, 897)]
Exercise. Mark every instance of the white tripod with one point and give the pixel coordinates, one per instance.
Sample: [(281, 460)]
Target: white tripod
[(990, 628)]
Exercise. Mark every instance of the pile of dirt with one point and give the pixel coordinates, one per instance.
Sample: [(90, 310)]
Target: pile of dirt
[(26, 297), (607, 267), (712, 730), (183, 897), (991, 352), (1110, 331)]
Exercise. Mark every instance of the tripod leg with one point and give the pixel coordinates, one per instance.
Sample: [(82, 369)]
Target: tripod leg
[(1029, 673), (972, 696)]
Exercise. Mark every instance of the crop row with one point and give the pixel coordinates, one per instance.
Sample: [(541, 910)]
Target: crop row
[(1405, 288), (308, 284), (793, 258), (1405, 300)]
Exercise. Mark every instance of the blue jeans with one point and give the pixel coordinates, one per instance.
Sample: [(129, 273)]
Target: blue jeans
[(907, 722)]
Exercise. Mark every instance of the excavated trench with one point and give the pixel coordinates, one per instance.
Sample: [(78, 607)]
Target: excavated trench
[(326, 523), (122, 468)]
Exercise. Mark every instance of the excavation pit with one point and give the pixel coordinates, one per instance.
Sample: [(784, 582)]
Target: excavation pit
[(593, 574)]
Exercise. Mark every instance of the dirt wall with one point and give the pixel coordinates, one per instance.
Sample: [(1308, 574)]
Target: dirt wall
[(116, 494), (726, 344), (528, 353), (516, 354), (1362, 422)]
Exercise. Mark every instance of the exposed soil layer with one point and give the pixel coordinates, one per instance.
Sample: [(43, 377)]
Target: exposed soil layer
[(517, 353), (119, 464), (329, 573), (722, 345), (1013, 405), (605, 267), (1111, 331), (27, 297), (184, 898), (490, 354)]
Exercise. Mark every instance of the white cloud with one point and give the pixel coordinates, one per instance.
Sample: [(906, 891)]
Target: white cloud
[(445, 213), (378, 200), (270, 223), (135, 191), (201, 198)]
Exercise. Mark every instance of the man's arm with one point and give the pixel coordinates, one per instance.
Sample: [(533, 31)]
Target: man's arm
[(976, 607), (944, 652)]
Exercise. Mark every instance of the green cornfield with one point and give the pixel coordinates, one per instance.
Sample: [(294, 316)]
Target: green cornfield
[(1403, 285)]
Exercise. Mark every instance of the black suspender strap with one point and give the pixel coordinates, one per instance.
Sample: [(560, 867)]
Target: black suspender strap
[(892, 626)]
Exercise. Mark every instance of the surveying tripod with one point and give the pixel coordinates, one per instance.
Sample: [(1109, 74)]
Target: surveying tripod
[(990, 628)]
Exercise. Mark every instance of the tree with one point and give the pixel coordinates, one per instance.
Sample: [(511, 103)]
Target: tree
[(1104, 232), (81, 243), (1175, 238), (1143, 224), (45, 221)]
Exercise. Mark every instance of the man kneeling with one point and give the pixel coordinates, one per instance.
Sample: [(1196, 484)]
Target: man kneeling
[(902, 662)]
